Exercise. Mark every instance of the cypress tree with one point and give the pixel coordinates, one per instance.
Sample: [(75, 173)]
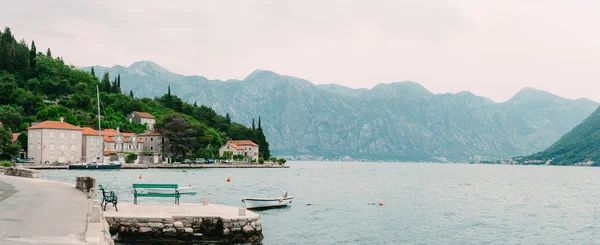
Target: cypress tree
[(49, 53), (195, 105), (131, 94), (93, 72), (253, 128), (106, 82), (119, 83), (228, 118), (259, 127), (169, 91), (32, 55)]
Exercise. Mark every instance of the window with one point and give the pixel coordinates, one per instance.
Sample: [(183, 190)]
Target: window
[(115, 147), (254, 153), (129, 147), (151, 139), (151, 148), (163, 140), (138, 147)]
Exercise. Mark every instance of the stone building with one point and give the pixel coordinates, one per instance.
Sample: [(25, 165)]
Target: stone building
[(91, 146), (247, 148), (115, 141), (155, 142), (142, 118), (54, 141)]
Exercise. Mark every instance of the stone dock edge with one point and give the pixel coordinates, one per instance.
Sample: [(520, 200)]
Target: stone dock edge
[(166, 166)]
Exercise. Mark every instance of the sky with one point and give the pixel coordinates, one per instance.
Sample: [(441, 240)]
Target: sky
[(490, 48)]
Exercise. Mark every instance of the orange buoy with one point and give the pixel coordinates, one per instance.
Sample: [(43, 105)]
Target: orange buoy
[(140, 177), (228, 180), (381, 204)]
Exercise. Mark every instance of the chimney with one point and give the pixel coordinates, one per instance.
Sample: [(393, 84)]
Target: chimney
[(118, 130), (62, 119)]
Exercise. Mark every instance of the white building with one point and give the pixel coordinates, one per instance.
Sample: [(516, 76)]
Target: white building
[(142, 118), (246, 148), (54, 141), (92, 148)]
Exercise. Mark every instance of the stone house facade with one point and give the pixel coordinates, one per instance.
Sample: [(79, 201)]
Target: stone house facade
[(91, 146), (247, 148), (115, 141), (142, 118), (155, 142), (54, 141)]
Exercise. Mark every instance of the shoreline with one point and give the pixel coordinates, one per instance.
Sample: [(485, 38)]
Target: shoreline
[(166, 166)]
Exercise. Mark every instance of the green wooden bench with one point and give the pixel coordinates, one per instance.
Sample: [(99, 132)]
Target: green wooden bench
[(137, 194)]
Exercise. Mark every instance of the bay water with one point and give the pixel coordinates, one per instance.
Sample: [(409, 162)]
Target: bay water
[(422, 203)]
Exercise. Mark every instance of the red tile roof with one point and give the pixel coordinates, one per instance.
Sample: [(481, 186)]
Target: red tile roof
[(237, 144), (234, 145), (15, 137), (109, 132), (143, 114), (108, 139), (54, 125), (243, 142), (89, 131)]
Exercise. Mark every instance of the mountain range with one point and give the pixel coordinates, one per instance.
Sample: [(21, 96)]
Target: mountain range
[(577, 147), (397, 121)]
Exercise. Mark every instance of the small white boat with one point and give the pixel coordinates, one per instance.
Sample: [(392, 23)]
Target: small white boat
[(182, 190), (265, 203)]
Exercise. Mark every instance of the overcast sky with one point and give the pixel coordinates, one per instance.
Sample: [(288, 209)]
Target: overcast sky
[(491, 48)]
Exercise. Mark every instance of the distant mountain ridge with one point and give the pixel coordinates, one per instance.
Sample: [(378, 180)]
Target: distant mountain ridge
[(396, 121), (577, 147)]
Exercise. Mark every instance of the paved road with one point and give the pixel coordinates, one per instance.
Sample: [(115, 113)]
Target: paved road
[(37, 211)]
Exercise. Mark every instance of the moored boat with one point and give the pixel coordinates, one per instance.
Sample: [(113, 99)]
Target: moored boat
[(94, 166), (182, 190), (253, 203)]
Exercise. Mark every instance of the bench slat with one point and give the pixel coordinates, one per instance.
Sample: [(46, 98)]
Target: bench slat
[(164, 186), (156, 195)]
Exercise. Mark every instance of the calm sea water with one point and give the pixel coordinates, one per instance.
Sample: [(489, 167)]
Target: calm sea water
[(423, 203)]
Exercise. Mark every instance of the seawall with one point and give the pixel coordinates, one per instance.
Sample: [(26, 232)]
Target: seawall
[(175, 165), (21, 172)]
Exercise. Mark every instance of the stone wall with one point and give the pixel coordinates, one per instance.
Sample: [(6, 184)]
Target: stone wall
[(85, 183), (21, 172), (187, 229)]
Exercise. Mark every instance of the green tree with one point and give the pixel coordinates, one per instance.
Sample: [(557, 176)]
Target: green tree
[(22, 140), (253, 127), (49, 53), (185, 136), (131, 94), (118, 89), (106, 83), (10, 117), (5, 140), (93, 72)]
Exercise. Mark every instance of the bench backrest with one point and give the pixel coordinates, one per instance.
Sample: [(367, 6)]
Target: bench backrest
[(164, 186)]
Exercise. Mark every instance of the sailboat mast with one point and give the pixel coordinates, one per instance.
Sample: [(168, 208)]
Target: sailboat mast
[(100, 127)]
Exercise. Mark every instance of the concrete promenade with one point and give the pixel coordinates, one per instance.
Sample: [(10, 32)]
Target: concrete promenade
[(38, 211)]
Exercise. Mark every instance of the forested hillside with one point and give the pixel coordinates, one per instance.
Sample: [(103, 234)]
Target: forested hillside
[(37, 86)]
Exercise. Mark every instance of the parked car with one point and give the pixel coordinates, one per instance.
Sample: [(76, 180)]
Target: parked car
[(210, 161), (187, 161), (199, 161)]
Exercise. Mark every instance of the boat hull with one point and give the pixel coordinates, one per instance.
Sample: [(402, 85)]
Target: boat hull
[(182, 190), (94, 166), (266, 203)]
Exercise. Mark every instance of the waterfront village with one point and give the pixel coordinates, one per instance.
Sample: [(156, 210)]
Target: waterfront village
[(58, 143)]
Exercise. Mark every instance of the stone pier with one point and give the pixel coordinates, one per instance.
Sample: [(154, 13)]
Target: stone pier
[(184, 224)]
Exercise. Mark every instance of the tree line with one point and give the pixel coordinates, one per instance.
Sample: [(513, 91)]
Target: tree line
[(35, 86)]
